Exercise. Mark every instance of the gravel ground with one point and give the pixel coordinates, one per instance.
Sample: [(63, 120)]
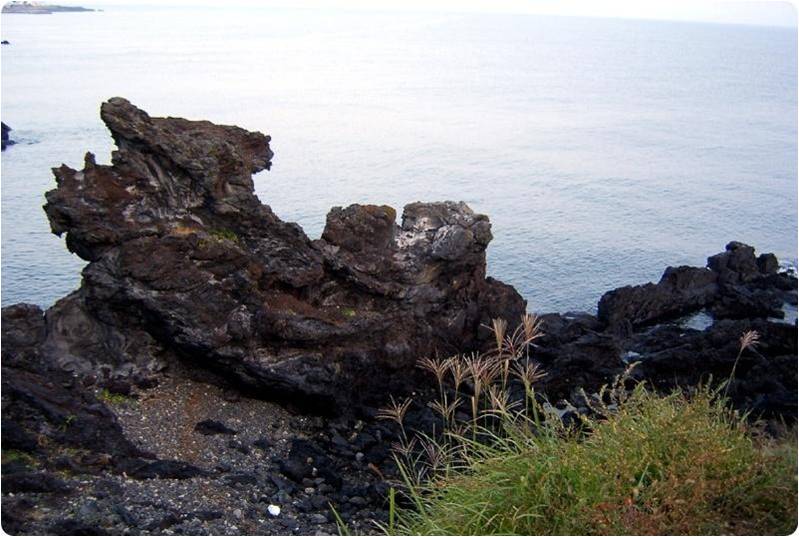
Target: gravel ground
[(163, 419), (243, 471)]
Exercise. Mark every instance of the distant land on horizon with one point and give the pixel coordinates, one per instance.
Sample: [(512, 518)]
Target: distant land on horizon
[(40, 8)]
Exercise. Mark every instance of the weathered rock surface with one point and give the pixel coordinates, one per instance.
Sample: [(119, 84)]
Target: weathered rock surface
[(680, 290), (186, 261), (735, 284), (765, 377), (738, 292), (188, 272), (50, 422)]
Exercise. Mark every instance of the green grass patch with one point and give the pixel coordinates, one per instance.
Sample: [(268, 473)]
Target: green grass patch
[(224, 234), (673, 464), (15, 455), (113, 398)]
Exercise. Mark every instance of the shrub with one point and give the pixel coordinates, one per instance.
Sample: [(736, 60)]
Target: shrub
[(642, 463)]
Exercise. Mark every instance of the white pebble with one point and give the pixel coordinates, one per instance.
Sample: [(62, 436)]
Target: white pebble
[(273, 510)]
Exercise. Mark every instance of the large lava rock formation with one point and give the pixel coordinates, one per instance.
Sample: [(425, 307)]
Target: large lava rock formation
[(184, 260)]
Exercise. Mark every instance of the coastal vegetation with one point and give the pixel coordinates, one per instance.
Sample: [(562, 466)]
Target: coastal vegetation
[(224, 235), (637, 463), (112, 398)]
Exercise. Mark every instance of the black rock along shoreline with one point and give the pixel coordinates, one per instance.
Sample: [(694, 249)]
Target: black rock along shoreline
[(6, 137), (216, 361)]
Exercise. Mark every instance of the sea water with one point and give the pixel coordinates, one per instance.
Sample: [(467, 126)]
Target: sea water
[(602, 150)]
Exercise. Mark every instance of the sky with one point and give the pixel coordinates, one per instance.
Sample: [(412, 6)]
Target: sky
[(758, 12)]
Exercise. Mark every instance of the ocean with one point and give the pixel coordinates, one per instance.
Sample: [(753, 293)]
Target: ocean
[(602, 150)]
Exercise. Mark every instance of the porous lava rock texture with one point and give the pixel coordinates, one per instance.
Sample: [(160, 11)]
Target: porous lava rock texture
[(736, 293), (185, 261)]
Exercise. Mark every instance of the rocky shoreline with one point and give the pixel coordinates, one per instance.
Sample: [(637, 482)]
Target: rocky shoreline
[(40, 8), (216, 363)]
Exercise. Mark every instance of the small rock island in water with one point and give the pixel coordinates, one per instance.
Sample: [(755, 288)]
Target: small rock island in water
[(7, 141), (145, 401), (40, 8)]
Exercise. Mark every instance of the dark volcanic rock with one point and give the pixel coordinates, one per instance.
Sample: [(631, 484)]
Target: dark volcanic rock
[(574, 354), (186, 265), (44, 401), (736, 284), (186, 261), (736, 264), (162, 469), (75, 527), (638, 324), (307, 460), (209, 427), (34, 482), (78, 342), (23, 331), (50, 417), (746, 302), (6, 138), (765, 377), (768, 264), (680, 290)]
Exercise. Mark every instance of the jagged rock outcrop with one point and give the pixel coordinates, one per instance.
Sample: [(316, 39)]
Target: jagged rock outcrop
[(737, 292), (186, 261), (735, 284), (186, 264), (680, 290)]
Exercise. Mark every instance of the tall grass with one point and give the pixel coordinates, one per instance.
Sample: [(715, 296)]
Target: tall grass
[(642, 463)]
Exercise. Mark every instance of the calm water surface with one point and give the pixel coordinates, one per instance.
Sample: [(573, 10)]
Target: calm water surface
[(602, 150)]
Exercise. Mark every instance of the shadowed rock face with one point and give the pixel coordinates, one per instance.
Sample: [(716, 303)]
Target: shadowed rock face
[(738, 292), (46, 410), (735, 285), (184, 259), (6, 138)]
